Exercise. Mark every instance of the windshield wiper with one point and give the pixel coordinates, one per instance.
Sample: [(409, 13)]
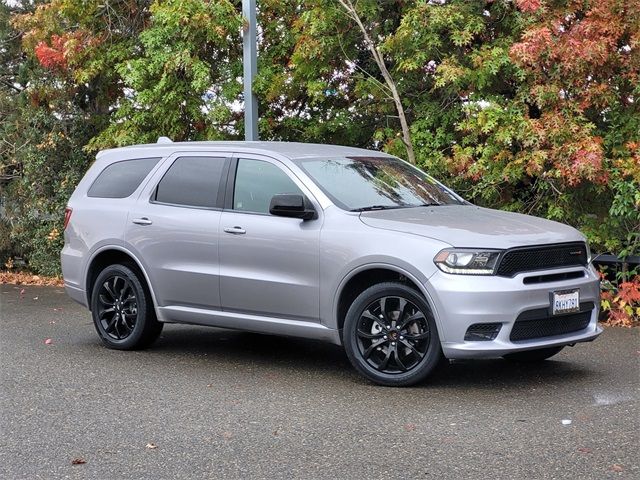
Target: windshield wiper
[(391, 207), (377, 207)]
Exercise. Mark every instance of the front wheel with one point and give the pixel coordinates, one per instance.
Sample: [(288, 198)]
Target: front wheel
[(390, 335), (122, 309), (533, 355)]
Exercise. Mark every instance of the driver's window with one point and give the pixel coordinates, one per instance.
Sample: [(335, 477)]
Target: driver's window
[(256, 183)]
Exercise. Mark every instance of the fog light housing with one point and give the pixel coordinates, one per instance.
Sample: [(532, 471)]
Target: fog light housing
[(482, 332)]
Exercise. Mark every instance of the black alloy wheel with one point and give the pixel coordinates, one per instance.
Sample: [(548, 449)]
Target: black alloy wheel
[(122, 309), (393, 334), (117, 307), (390, 335)]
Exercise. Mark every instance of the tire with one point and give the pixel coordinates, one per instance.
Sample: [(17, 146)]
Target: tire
[(533, 355), (122, 309), (403, 347)]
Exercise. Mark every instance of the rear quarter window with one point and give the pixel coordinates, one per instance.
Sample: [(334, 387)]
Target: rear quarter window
[(121, 179)]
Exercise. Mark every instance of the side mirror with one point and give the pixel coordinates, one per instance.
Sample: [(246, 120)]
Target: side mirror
[(291, 205)]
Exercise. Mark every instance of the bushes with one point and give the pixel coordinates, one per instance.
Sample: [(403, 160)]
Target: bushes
[(51, 165), (620, 300), (524, 106)]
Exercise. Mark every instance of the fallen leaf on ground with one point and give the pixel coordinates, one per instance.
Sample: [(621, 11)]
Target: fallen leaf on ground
[(410, 427), (35, 298), (78, 461), (151, 446), (584, 450), (22, 291), (616, 468), (48, 341), (21, 278)]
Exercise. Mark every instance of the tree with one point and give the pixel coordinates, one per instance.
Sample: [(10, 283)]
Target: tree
[(391, 84), (527, 105)]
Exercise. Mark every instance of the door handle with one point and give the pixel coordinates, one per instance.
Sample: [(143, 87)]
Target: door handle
[(235, 230), (142, 221)]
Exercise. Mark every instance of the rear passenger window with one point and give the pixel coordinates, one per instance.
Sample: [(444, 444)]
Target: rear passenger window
[(192, 182), (120, 179)]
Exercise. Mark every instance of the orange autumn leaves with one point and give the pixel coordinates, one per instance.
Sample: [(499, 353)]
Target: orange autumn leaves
[(577, 67), (570, 55), (622, 304), (62, 49)]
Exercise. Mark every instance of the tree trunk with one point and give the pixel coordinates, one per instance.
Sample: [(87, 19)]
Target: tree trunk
[(377, 56)]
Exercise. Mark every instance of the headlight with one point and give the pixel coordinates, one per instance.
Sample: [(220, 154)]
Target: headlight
[(467, 262)]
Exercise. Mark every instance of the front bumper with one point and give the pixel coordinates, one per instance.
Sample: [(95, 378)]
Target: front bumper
[(460, 301)]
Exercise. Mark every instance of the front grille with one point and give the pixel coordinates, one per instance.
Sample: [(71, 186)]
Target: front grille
[(528, 259), (553, 277), (539, 324)]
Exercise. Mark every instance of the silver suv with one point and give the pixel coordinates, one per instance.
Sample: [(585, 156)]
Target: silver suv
[(334, 243)]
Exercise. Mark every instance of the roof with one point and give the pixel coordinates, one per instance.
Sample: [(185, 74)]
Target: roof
[(290, 150)]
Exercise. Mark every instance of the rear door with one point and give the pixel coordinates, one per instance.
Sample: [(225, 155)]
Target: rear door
[(173, 229), (268, 265)]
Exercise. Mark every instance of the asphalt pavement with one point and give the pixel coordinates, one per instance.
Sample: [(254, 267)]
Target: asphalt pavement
[(209, 403)]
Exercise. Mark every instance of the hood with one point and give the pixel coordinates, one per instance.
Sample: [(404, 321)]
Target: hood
[(472, 227)]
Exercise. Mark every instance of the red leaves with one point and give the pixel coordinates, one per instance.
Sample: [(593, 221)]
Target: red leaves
[(61, 50), (53, 56), (578, 48), (78, 461), (528, 5), (586, 163), (629, 292), (622, 306), (534, 43)]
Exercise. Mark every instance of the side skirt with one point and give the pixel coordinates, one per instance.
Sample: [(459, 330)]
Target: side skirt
[(251, 323)]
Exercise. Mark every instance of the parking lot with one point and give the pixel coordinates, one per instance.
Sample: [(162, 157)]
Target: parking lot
[(210, 403)]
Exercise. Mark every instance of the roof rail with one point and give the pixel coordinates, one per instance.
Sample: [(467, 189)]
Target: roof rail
[(164, 140)]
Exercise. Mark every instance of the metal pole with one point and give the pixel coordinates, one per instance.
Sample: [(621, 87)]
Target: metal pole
[(250, 64)]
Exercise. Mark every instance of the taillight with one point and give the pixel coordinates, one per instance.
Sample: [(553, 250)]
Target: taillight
[(67, 216)]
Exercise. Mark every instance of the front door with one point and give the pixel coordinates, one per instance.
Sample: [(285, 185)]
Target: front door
[(269, 265)]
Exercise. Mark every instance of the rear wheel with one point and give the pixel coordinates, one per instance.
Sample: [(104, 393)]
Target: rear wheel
[(533, 355), (390, 335), (122, 309)]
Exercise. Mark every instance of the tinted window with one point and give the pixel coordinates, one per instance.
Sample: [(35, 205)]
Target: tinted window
[(191, 181), (360, 182), (256, 183), (120, 179)]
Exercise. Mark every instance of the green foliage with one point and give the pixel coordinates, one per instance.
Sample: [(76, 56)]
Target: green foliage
[(184, 80), (529, 106), (51, 167)]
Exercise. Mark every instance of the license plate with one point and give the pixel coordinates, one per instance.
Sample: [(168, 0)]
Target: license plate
[(565, 301)]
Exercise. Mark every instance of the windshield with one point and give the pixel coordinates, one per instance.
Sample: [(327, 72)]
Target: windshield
[(375, 183)]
